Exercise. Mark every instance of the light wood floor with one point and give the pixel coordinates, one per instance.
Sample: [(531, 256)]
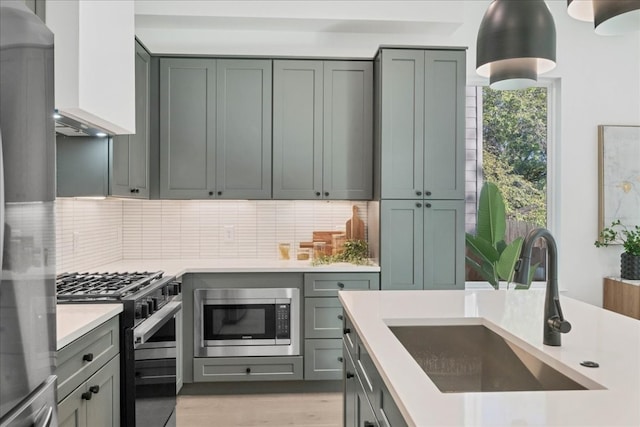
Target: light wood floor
[(252, 410)]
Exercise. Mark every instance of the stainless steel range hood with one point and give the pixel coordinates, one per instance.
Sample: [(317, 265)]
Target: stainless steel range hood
[(71, 127)]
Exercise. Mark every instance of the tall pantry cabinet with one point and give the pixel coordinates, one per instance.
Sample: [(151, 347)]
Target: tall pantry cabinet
[(419, 167)]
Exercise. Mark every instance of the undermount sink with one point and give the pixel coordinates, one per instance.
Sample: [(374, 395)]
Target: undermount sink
[(472, 358)]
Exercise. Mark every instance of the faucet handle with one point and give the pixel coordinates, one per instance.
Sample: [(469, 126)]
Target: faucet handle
[(558, 322)]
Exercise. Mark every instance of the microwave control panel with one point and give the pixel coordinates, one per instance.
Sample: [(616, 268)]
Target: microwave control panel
[(283, 321)]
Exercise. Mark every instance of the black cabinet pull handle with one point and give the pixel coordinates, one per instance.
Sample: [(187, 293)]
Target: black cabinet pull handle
[(211, 193), (326, 193), (137, 190), (219, 193), (340, 316), (248, 370), (346, 331), (369, 424), (428, 205), (133, 190), (418, 205), (94, 389), (428, 193), (349, 375), (86, 395), (87, 357), (340, 359), (318, 193), (340, 285), (419, 193)]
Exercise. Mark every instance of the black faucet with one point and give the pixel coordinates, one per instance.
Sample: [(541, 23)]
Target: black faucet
[(554, 322)]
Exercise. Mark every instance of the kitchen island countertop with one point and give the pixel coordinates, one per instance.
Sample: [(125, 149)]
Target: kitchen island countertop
[(178, 267), (598, 335), (75, 320)]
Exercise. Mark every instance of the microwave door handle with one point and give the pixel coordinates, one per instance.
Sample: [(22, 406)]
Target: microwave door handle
[(152, 324)]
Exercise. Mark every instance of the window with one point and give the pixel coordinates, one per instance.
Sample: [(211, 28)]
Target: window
[(507, 135)]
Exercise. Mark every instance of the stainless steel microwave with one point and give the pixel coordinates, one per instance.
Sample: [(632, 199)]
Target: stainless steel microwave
[(246, 322)]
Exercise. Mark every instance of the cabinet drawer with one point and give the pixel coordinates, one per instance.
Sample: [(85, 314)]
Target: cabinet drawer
[(328, 284), (84, 356), (323, 359), (322, 318), (212, 369)]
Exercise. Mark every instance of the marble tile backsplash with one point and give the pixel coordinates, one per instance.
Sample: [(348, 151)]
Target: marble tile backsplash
[(94, 232)]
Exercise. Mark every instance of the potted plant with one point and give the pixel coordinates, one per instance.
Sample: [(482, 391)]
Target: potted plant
[(630, 239), (493, 258)]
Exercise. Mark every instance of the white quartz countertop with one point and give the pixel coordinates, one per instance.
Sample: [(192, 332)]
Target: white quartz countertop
[(598, 335), (75, 320), (178, 267)]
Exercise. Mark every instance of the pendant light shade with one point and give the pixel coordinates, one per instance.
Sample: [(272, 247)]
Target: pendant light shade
[(610, 17), (582, 10), (516, 42)]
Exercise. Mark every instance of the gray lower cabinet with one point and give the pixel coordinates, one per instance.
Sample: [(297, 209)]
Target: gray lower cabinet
[(96, 402), (323, 130), (89, 379), (421, 135), (273, 368), (422, 244), (323, 320), (215, 128), (130, 154), (367, 400)]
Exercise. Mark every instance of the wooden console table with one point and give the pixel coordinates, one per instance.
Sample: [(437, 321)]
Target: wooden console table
[(622, 296)]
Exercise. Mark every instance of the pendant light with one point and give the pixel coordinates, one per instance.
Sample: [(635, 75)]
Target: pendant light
[(516, 42), (610, 17)]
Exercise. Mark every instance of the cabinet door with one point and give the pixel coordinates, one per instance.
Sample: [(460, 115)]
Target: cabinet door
[(130, 153), (243, 129), (444, 244), (72, 411), (322, 318), (187, 128), (297, 129), (401, 240), (323, 359), (402, 107), (444, 139), (350, 389), (103, 409), (365, 417), (348, 130)]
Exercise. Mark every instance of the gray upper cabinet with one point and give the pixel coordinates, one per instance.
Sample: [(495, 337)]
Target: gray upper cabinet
[(297, 129), (130, 154), (323, 130), (243, 129), (422, 244), (215, 128), (422, 124), (187, 128)]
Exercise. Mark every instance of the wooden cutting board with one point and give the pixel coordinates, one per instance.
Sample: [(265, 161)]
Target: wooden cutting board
[(355, 226)]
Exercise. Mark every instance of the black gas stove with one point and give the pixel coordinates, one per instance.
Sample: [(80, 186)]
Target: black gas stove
[(150, 303), (141, 293)]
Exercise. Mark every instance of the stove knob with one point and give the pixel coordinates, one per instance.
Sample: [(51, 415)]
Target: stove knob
[(150, 305), (144, 311), (176, 288), (154, 303)]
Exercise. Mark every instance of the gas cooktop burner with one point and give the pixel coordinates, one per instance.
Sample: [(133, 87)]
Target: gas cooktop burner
[(74, 286)]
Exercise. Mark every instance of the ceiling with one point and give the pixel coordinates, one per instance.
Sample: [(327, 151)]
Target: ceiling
[(322, 28)]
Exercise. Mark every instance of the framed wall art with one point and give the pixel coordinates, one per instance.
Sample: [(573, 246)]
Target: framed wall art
[(619, 175)]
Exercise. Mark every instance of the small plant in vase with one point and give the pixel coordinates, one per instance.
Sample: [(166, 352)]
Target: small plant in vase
[(630, 239)]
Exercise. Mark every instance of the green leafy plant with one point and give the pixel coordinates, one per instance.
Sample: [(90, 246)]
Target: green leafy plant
[(618, 232), (354, 252), (493, 258)]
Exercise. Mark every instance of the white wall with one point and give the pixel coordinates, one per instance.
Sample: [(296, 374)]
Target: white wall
[(597, 81)]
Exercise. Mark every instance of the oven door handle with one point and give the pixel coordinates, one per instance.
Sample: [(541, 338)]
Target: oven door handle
[(152, 324)]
